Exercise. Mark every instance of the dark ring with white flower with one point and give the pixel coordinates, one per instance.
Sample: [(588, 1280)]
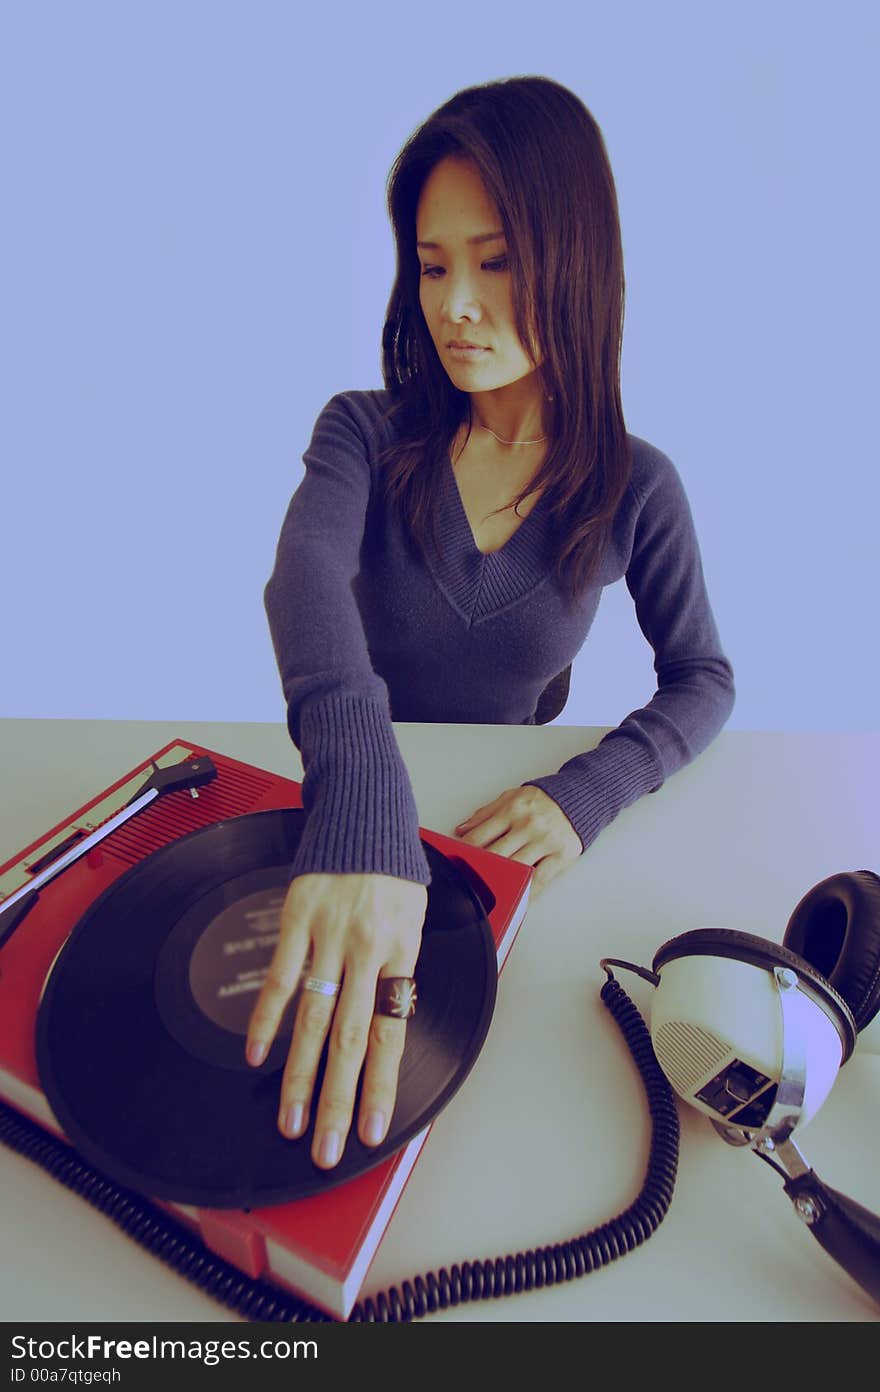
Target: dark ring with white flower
[(396, 996)]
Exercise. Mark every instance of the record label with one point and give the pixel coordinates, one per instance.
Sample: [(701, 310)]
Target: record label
[(230, 960)]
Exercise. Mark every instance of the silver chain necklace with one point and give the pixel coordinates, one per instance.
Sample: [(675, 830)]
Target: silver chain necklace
[(502, 441)]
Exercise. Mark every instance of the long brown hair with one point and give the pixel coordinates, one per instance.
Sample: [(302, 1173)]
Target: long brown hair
[(543, 162)]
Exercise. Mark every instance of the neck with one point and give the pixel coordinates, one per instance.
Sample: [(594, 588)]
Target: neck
[(512, 418)]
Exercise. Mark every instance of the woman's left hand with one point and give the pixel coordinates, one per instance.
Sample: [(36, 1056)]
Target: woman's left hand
[(525, 824)]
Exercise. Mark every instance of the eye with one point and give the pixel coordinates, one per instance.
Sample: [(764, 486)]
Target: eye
[(498, 263)]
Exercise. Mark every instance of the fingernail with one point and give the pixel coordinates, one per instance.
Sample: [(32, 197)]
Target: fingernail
[(292, 1121), (374, 1128), (328, 1151), (255, 1054)]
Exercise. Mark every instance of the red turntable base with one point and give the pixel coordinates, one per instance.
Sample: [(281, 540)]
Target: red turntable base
[(318, 1246)]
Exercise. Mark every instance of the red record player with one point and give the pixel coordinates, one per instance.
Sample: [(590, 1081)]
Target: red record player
[(319, 1247)]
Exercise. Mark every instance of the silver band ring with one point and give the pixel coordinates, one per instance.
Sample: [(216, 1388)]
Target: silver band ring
[(321, 987), (396, 996)]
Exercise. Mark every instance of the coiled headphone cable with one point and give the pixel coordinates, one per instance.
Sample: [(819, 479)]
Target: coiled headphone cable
[(259, 1300)]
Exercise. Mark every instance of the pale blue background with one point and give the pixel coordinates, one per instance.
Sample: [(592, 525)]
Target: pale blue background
[(196, 256)]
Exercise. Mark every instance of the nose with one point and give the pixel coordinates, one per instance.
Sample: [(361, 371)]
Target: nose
[(460, 299)]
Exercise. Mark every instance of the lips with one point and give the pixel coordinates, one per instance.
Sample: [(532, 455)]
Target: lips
[(463, 343)]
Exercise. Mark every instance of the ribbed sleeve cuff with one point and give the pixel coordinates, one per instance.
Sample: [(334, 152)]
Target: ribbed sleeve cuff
[(362, 816), (592, 788)]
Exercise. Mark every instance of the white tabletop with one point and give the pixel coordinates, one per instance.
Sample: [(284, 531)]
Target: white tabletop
[(548, 1137)]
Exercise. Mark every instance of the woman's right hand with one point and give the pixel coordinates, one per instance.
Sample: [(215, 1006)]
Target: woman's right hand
[(351, 929)]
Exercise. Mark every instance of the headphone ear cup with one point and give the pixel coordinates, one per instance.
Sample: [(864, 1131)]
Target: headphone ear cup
[(760, 952), (836, 928)]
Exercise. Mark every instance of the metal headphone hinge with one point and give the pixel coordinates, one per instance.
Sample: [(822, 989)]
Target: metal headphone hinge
[(788, 1104), (791, 1163), (774, 1139), (786, 1155)]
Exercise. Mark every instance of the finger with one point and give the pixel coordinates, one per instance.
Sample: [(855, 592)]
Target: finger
[(313, 1019), (381, 1073), (282, 980), (546, 870), (382, 1069), (479, 815), (512, 843), (349, 1036), (488, 831)]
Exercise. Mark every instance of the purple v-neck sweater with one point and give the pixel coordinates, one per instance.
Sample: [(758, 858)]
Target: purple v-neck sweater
[(367, 631)]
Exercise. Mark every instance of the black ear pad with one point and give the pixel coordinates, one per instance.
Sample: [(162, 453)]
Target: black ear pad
[(836, 927), (759, 952)]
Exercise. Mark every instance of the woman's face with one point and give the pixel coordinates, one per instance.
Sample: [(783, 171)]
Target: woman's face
[(465, 289)]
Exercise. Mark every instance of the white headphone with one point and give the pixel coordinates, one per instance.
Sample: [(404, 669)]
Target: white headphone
[(753, 1033)]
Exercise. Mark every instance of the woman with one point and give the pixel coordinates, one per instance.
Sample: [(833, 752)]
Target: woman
[(443, 559)]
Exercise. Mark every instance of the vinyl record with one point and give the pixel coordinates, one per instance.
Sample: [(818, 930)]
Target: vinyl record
[(141, 1030)]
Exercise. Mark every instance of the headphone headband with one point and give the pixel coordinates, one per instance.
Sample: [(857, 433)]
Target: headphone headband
[(759, 952)]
